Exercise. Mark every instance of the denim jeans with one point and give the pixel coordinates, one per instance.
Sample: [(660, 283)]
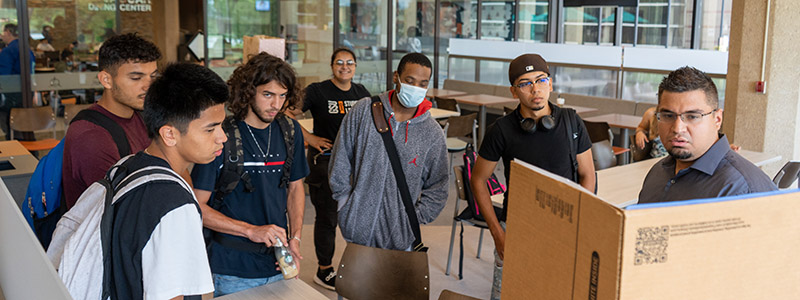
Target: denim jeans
[(497, 279), (227, 284)]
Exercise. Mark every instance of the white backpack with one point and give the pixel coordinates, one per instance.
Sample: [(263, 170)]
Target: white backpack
[(81, 241)]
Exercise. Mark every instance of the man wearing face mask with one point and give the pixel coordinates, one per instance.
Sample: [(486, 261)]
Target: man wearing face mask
[(371, 210)]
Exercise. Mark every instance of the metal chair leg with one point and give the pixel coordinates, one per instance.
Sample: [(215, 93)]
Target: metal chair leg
[(480, 243), (450, 252)]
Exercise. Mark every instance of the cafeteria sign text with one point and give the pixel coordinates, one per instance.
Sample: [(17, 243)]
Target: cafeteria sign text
[(124, 5)]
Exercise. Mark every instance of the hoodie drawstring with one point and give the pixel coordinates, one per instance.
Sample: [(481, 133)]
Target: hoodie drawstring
[(392, 130), (407, 123)]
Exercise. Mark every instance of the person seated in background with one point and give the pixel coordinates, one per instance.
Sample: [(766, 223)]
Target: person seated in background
[(701, 163), (44, 45), (647, 132)]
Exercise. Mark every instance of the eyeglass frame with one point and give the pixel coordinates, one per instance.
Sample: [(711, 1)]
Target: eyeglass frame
[(682, 116), (341, 62), (527, 86)]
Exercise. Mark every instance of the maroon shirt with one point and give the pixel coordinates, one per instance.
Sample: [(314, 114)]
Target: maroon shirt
[(89, 151)]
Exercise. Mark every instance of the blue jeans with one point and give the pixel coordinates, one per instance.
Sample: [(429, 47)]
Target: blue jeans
[(227, 284)]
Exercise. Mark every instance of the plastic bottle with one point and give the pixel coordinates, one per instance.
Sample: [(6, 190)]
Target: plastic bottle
[(285, 260)]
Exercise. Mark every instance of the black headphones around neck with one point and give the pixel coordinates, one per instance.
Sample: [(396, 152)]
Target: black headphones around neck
[(530, 125)]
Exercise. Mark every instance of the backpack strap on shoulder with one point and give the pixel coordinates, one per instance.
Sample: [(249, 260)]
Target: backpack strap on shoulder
[(116, 131), (569, 117), (232, 164), (287, 129)]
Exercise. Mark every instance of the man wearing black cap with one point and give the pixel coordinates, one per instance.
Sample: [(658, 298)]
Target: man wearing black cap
[(537, 132)]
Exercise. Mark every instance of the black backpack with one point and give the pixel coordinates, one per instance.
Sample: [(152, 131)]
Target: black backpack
[(233, 171)]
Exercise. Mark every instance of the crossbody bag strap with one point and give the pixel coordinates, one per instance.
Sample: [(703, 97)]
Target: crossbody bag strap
[(383, 128)]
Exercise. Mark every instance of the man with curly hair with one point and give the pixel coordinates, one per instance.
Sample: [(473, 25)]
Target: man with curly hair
[(127, 67), (250, 219)]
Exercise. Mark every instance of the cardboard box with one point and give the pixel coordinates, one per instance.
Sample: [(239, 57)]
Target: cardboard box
[(563, 242), (253, 45)]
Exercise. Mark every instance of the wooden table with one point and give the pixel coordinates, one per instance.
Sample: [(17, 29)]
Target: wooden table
[(481, 101), (622, 121), (580, 109), (621, 185), (12, 148), (436, 113), (432, 93), (282, 290)]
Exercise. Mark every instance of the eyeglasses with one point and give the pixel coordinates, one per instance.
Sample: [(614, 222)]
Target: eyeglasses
[(688, 118), (527, 85), (349, 62)]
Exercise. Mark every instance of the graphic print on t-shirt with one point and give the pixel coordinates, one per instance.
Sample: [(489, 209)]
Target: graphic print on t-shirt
[(341, 106)]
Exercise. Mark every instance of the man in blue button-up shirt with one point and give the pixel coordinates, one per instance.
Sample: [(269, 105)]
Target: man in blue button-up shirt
[(10, 65), (701, 163)]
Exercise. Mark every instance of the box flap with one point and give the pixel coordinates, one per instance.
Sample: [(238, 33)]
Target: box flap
[(562, 242)]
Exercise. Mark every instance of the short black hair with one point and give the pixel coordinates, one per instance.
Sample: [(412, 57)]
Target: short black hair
[(179, 95), (126, 48), (414, 58), (687, 79), (335, 52), (12, 28)]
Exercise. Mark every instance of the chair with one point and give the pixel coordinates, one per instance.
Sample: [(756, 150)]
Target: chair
[(458, 128), (603, 155), (639, 154), (450, 295), (461, 194), (381, 278), (599, 132), (448, 104), (787, 175), (72, 110), (31, 120), (508, 110)]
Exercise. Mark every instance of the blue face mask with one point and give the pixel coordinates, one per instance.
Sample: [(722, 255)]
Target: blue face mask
[(411, 96)]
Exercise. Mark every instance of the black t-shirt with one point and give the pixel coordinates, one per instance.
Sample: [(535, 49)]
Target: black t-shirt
[(138, 215), (547, 149), (329, 104)]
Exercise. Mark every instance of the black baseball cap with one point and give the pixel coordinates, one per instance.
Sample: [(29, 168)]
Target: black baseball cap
[(526, 63)]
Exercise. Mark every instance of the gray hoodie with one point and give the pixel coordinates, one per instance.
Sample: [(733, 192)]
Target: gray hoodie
[(371, 211)]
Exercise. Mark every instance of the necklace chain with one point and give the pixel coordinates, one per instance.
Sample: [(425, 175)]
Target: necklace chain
[(269, 141)]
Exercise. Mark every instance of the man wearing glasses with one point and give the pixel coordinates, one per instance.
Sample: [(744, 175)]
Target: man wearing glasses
[(701, 163), (537, 132)]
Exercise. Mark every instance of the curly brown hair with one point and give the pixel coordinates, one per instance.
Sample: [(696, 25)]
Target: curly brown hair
[(261, 69)]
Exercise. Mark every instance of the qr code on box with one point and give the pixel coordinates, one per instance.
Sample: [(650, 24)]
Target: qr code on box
[(651, 245)]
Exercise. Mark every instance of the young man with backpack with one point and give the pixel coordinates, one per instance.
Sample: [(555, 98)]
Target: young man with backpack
[(97, 137), (537, 132), (127, 67), (137, 233), (247, 193)]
